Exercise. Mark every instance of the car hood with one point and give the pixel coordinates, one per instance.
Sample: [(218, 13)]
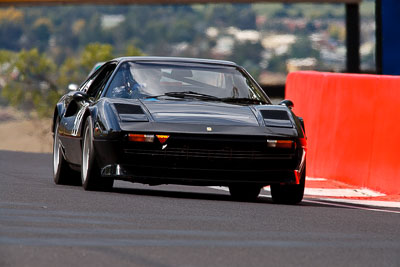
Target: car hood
[(200, 112)]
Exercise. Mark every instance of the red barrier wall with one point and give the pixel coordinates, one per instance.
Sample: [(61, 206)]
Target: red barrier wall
[(353, 126)]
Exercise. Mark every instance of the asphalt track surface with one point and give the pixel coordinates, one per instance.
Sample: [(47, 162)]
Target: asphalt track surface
[(42, 224)]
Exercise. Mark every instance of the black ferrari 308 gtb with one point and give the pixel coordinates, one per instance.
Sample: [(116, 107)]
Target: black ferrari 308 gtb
[(156, 120)]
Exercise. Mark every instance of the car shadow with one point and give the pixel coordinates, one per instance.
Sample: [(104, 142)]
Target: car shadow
[(168, 193), (163, 191)]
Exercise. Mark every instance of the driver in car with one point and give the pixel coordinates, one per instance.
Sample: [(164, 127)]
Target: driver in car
[(124, 85)]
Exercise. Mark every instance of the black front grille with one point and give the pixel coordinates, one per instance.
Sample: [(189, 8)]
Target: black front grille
[(227, 153)]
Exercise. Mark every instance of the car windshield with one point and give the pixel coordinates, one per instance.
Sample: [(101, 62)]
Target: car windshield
[(146, 80)]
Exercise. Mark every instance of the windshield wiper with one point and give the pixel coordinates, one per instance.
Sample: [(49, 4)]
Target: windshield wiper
[(187, 94), (201, 96), (242, 100)]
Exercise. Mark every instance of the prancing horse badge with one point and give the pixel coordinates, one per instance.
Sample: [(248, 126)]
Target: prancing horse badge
[(209, 129)]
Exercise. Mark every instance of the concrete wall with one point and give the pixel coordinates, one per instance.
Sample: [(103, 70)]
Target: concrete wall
[(353, 127)]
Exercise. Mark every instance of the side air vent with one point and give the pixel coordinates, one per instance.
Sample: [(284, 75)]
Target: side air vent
[(130, 113), (276, 118), (128, 109)]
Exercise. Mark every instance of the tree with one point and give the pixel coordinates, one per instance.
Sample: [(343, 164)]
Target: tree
[(133, 51), (94, 53), (75, 70), (302, 48), (71, 71), (248, 55), (33, 82), (41, 32), (11, 28), (337, 32), (29, 80), (247, 51)]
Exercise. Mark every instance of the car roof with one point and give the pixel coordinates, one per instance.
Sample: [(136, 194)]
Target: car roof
[(177, 60)]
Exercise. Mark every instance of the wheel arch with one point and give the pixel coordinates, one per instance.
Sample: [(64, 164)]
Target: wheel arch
[(57, 111), (89, 112)]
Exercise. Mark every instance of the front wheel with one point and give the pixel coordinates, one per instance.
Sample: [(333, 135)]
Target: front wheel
[(90, 172), (244, 192), (289, 194), (62, 173)]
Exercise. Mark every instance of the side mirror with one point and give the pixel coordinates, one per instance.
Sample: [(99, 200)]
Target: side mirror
[(72, 87), (287, 103), (80, 96)]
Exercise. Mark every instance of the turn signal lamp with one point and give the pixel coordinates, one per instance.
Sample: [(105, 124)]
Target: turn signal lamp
[(162, 138), (148, 138), (280, 143)]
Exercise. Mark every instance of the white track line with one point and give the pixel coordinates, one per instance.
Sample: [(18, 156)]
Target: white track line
[(339, 192), (375, 203), (315, 179), (349, 206), (383, 204)]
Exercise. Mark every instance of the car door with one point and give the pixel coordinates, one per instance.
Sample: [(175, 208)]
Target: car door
[(76, 104)]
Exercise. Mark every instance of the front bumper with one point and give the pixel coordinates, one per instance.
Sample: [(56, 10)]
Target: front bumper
[(195, 176), (200, 160)]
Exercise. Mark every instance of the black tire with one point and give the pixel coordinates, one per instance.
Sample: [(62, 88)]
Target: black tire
[(244, 192), (90, 172), (289, 194), (62, 173)]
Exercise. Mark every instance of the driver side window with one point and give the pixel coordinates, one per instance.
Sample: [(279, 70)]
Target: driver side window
[(123, 85), (95, 85)]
